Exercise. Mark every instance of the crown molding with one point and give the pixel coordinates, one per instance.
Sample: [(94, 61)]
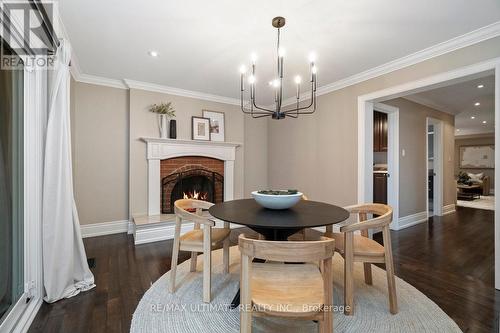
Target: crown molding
[(431, 104), (468, 39), (132, 84)]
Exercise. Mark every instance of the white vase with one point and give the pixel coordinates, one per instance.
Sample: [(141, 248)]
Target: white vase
[(163, 125)]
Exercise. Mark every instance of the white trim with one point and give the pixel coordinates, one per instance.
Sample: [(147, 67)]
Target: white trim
[(104, 228), (132, 84), (98, 80), (437, 166), (411, 220), (448, 209), (155, 232)]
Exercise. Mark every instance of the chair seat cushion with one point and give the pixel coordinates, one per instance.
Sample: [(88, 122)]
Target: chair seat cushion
[(363, 246), (278, 288), (195, 237)]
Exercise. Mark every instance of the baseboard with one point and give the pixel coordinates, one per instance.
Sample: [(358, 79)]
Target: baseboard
[(448, 209), (30, 315), (105, 228), (410, 220), (164, 231)]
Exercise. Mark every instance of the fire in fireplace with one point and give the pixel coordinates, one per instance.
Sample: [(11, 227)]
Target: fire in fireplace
[(199, 183)]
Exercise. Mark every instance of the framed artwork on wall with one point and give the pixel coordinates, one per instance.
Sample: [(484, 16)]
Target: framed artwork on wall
[(217, 125), (200, 128), (477, 157)]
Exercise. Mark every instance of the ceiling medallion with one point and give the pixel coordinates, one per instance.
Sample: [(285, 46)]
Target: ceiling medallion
[(277, 112)]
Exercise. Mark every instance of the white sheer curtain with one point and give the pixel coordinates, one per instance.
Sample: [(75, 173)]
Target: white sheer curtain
[(65, 268)]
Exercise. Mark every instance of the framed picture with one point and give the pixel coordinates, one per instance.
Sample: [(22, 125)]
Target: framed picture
[(477, 157), (200, 128), (217, 130)]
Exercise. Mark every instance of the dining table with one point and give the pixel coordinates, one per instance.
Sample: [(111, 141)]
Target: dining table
[(277, 225)]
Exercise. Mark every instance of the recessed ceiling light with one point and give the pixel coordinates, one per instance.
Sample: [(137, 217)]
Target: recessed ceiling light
[(484, 121), (477, 104), (153, 53), (472, 117), (480, 86)]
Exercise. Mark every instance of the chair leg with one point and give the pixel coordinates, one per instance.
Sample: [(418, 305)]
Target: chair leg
[(175, 254), (207, 263), (389, 268), (368, 273), (225, 255), (194, 259), (349, 274), (245, 296)]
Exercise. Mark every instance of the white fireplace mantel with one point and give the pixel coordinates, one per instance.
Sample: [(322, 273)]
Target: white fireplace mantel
[(160, 149)]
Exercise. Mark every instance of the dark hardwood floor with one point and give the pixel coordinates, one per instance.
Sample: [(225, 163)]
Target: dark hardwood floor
[(450, 259)]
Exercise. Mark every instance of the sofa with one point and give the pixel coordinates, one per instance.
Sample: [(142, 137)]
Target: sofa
[(483, 181)]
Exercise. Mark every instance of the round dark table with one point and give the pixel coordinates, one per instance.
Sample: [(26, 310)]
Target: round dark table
[(278, 224)]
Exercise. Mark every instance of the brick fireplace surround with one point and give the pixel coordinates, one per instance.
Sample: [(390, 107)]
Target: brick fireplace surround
[(188, 163)]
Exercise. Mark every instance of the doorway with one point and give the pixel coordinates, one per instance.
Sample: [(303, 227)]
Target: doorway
[(434, 164)]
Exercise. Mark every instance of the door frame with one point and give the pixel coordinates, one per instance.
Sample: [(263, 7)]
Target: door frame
[(365, 108), (392, 158), (437, 162)]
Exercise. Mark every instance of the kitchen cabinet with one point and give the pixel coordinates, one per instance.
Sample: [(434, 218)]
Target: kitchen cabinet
[(379, 131), (380, 188)]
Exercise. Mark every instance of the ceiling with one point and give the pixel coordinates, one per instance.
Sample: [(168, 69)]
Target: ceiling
[(201, 44), (459, 99)]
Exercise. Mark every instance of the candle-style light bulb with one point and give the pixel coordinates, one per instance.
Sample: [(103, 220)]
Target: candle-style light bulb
[(253, 57), (281, 52), (243, 69), (314, 69), (298, 79), (312, 57), (251, 79)]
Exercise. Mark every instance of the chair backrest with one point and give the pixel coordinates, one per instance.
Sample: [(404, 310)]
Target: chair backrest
[(182, 207), (362, 210), (287, 251)]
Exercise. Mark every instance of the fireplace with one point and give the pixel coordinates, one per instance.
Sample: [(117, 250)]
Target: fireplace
[(191, 177)]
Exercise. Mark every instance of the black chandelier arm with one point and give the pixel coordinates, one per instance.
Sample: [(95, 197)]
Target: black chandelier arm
[(251, 111), (259, 108), (313, 102)]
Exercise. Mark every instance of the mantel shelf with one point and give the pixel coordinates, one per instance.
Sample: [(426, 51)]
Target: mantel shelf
[(191, 142)]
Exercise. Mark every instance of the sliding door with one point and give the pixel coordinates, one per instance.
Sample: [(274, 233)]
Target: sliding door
[(11, 186)]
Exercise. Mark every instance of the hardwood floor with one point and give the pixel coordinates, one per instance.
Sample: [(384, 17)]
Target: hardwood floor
[(450, 259)]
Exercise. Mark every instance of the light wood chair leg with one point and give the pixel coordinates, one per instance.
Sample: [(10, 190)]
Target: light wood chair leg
[(349, 274), (389, 267), (207, 263), (175, 253), (225, 255), (245, 296), (326, 326), (194, 259), (368, 273)]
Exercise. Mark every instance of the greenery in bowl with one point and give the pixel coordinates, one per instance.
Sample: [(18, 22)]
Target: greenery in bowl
[(275, 192)]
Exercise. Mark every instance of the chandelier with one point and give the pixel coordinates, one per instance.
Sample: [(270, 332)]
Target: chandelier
[(277, 112)]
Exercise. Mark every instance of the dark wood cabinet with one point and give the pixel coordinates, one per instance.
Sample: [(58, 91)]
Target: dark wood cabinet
[(379, 131), (380, 188)]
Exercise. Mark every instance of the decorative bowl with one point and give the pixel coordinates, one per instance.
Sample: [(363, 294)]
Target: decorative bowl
[(277, 201)]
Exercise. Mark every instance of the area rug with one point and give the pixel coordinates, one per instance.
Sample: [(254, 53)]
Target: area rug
[(184, 311), (484, 202)]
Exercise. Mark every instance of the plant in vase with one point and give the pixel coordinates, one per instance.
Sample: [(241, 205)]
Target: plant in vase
[(164, 111)]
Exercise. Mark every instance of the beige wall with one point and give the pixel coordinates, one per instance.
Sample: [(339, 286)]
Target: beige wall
[(413, 166), (100, 152), (321, 150), (473, 140), (106, 126)]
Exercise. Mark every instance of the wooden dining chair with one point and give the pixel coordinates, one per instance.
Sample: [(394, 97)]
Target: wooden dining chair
[(198, 241), (300, 291), (359, 248)]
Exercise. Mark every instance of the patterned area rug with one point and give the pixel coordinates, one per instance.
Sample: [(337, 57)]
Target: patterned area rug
[(184, 311), (484, 202)]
